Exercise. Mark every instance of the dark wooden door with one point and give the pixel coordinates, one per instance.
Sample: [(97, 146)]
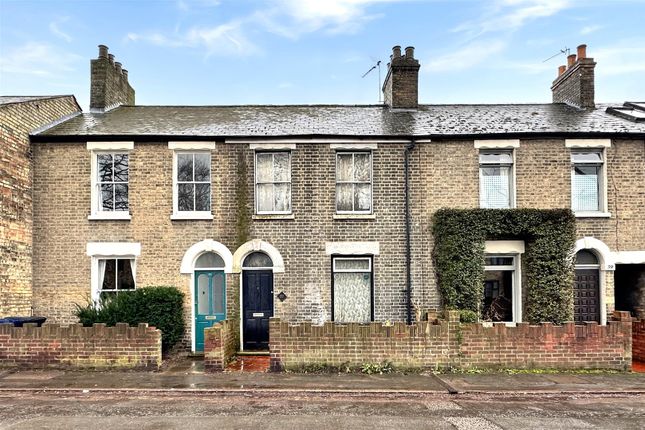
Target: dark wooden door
[(586, 296), (257, 305)]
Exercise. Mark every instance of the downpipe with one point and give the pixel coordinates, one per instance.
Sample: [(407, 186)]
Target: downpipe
[(408, 233)]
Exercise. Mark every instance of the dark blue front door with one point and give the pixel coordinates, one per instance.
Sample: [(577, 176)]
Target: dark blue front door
[(257, 305), (210, 302)]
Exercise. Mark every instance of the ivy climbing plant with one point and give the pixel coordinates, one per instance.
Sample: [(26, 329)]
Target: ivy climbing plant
[(549, 237)]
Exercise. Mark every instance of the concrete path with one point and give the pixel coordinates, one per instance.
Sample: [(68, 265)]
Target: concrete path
[(191, 378)]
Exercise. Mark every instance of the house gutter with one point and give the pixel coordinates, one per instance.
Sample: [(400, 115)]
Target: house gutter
[(408, 236)]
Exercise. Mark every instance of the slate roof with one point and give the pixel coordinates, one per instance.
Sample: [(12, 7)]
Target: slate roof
[(343, 120), (6, 100)]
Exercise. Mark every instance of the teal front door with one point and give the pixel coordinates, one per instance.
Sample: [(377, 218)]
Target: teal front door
[(210, 302)]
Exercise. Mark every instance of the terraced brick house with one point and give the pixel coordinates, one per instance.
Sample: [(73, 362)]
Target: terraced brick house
[(323, 212)]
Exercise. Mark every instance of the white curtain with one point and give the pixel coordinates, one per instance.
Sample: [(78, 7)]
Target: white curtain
[(133, 268)]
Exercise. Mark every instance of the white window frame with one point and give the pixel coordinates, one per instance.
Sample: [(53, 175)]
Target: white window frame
[(370, 270), (516, 268), (96, 148), (110, 250), (602, 211), (255, 181), (189, 215), (353, 152), (512, 179)]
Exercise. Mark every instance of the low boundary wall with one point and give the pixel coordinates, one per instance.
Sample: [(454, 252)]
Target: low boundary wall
[(450, 344), (221, 343), (638, 340), (75, 346)]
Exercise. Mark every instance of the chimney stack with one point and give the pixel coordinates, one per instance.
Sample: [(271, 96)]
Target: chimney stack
[(109, 85), (575, 82), (401, 86)]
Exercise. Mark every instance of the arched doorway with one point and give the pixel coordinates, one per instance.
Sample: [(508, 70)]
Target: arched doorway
[(257, 301), (209, 293), (586, 287)]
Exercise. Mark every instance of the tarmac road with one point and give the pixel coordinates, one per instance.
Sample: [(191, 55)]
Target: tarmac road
[(142, 411)]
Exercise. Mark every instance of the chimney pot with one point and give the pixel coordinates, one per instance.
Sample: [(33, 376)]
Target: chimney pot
[(396, 51), (103, 51), (125, 74), (582, 52), (561, 69), (409, 52), (111, 58), (570, 60), (401, 85), (117, 65)]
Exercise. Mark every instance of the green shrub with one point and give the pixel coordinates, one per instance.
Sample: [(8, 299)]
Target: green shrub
[(466, 316), (161, 307), (549, 236)]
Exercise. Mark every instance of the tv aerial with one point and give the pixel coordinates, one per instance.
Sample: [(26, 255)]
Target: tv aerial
[(377, 65), (564, 51)]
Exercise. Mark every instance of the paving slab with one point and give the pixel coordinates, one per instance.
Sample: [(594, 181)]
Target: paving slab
[(551, 383)]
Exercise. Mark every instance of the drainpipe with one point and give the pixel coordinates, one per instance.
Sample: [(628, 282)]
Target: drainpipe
[(408, 246)]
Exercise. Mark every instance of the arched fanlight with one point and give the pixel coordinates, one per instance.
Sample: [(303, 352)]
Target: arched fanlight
[(257, 259), (209, 260)]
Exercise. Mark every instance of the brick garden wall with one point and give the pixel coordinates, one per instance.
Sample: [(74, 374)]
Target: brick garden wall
[(451, 344), (75, 346), (17, 120), (221, 343), (638, 340)]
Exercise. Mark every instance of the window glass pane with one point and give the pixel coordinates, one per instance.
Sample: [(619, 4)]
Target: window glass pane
[(344, 197), (352, 297), (362, 197), (203, 295), (499, 261), (104, 167), (264, 167), (257, 259), (203, 167), (121, 197), (495, 158), (218, 294), (125, 277), (121, 167), (498, 296), (362, 170), (202, 197), (106, 197), (344, 167), (586, 257), (352, 264), (185, 196), (495, 189), (281, 167), (265, 197), (209, 260), (282, 197), (184, 167), (109, 276), (587, 157), (584, 193)]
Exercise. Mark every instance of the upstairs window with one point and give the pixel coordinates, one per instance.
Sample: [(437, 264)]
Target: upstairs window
[(193, 182), (112, 182), (496, 179), (587, 181), (273, 182), (354, 182)]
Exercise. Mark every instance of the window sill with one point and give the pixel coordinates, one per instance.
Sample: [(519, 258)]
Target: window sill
[(273, 216), (110, 216), (593, 215), (184, 216), (490, 324), (354, 216)]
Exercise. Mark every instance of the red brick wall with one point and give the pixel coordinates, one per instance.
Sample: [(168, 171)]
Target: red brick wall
[(450, 344), (76, 346), (638, 340), (221, 343)]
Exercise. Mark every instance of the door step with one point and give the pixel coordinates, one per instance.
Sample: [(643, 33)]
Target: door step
[(252, 353), (249, 363)]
